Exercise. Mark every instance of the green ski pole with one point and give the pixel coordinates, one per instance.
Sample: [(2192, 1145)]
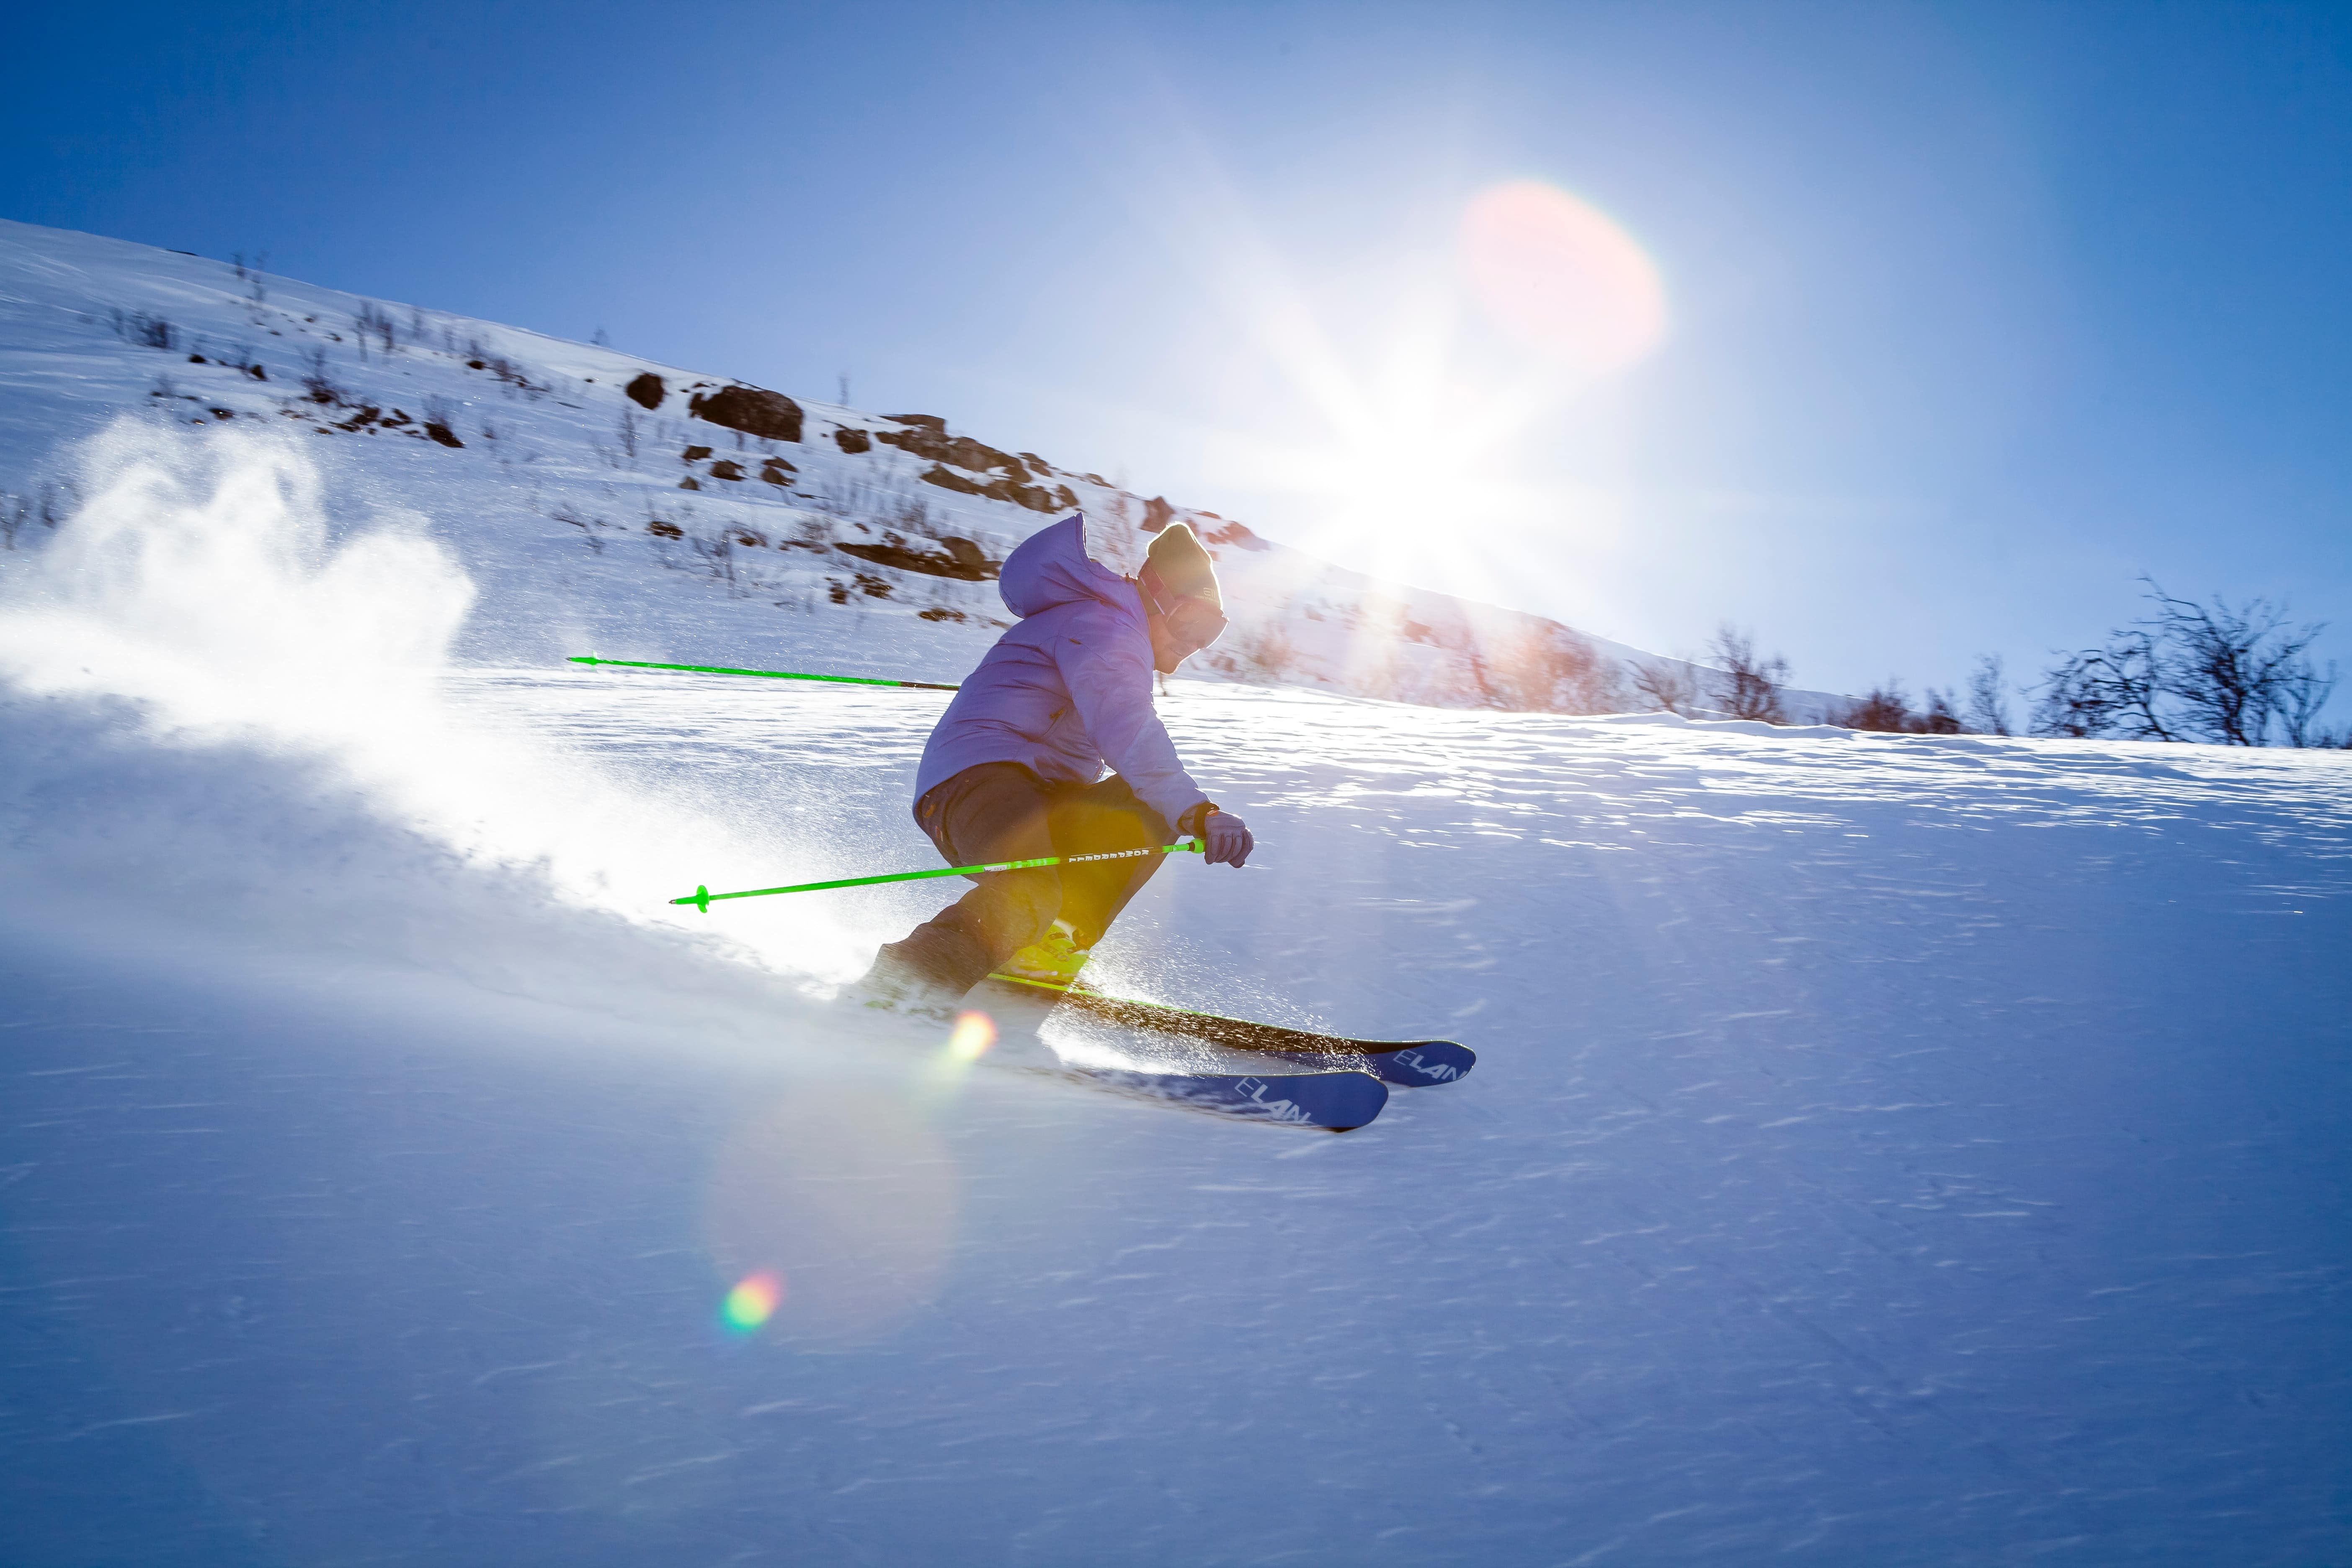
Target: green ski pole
[(765, 674), (703, 898)]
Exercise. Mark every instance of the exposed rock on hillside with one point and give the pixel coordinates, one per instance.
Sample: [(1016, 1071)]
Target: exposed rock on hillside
[(985, 471), (930, 438), (958, 558), (1036, 498), (754, 410)]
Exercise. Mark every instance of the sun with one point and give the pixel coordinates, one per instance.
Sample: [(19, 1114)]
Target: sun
[(1424, 419)]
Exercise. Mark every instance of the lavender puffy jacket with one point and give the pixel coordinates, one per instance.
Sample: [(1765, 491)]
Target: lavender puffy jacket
[(1068, 688)]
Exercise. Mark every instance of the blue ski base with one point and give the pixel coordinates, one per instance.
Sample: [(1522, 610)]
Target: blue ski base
[(1335, 1101)]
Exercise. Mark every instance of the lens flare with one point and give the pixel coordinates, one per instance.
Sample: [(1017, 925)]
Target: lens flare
[(972, 1035), (848, 1192), (753, 1302), (1562, 276)]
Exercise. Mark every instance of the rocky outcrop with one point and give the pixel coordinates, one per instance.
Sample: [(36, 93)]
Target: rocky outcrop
[(926, 440), (1233, 534), (1036, 498), (647, 391), (958, 558), (753, 410), (971, 467)]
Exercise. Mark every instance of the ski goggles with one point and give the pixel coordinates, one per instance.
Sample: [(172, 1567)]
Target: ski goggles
[(1193, 623)]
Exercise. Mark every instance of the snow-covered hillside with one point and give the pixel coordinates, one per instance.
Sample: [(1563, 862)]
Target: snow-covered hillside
[(1883, 1149), (675, 515)]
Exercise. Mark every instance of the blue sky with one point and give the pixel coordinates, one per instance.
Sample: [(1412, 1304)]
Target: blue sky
[(1976, 310)]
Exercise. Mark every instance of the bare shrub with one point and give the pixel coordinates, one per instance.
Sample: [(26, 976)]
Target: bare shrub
[(2235, 673), (317, 380), (440, 421), (1545, 669), (912, 512), (1938, 717), (587, 522), (1886, 710), (718, 556), (625, 432), (1883, 708), (15, 512), (1986, 713), (1670, 685), (1271, 650), (508, 371), (239, 357), (2232, 676), (1590, 684), (891, 501), (1748, 686), (2302, 693), (373, 322), (2101, 692), (147, 332)]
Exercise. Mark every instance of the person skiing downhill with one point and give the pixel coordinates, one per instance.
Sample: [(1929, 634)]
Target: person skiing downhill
[(1014, 768)]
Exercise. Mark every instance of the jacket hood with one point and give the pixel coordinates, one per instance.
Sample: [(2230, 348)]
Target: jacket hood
[(1052, 567)]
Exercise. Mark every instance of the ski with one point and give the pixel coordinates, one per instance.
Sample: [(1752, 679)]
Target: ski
[(1412, 1064), (1335, 1101)]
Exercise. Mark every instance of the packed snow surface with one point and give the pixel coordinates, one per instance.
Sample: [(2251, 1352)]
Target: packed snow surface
[(1882, 1150)]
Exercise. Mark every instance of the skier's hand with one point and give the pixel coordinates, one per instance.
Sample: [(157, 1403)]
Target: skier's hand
[(1226, 840)]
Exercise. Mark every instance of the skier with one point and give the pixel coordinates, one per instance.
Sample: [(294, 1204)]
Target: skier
[(1013, 770)]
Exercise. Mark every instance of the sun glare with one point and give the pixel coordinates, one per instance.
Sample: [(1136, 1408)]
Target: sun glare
[(1424, 423)]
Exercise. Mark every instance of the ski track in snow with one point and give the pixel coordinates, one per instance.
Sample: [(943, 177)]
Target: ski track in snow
[(1882, 1149)]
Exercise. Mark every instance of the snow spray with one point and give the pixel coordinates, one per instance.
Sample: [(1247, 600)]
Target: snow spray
[(202, 583)]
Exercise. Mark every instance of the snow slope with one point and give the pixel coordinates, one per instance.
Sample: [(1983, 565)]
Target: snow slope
[(587, 516), (1883, 1149)]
